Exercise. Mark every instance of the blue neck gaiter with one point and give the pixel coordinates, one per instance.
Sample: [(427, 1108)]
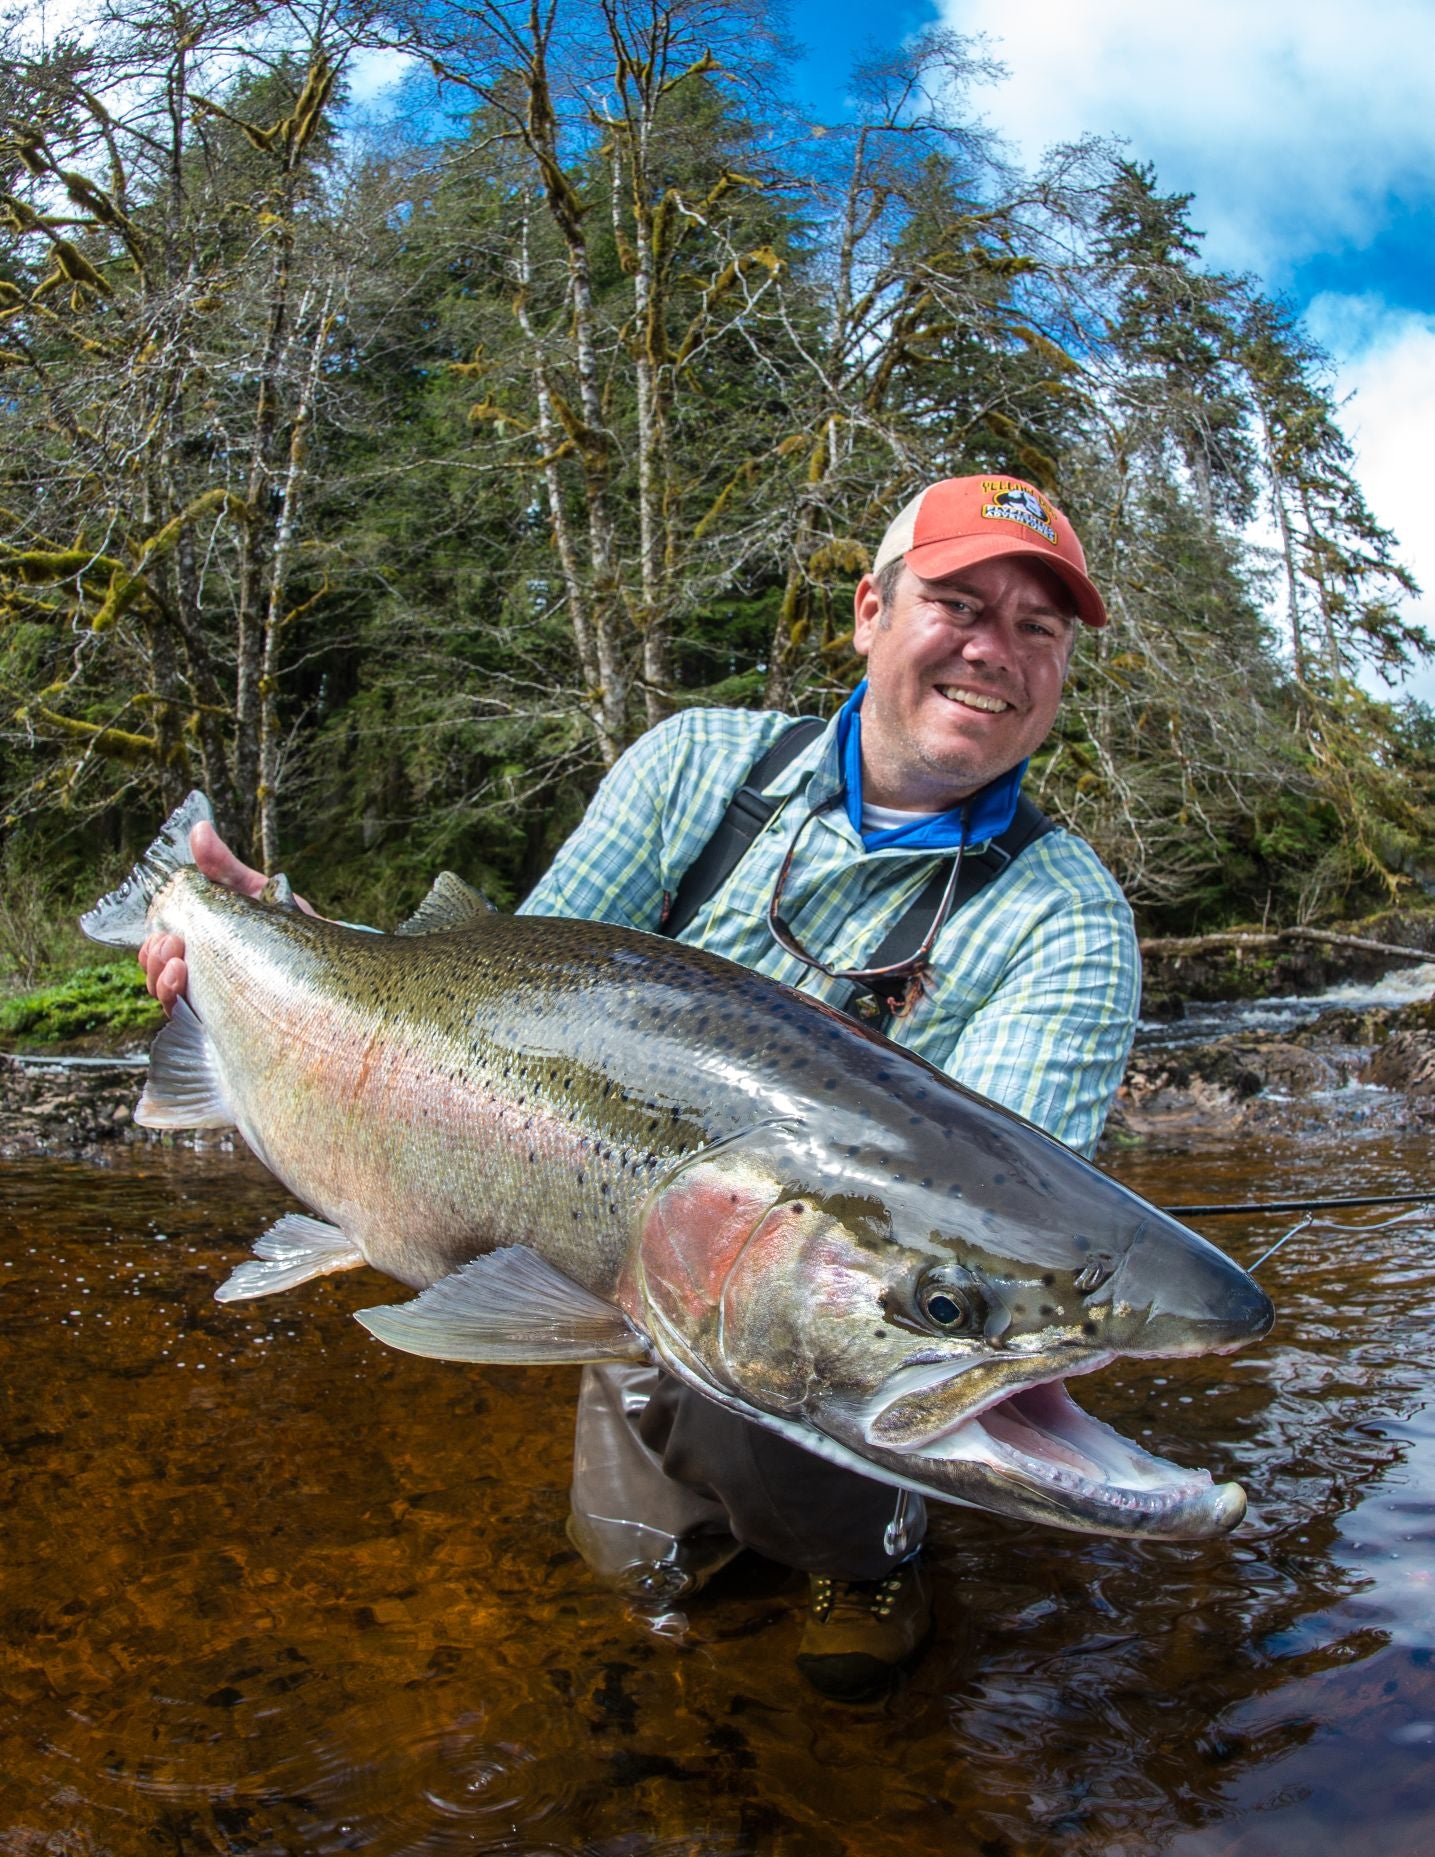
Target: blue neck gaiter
[(988, 812)]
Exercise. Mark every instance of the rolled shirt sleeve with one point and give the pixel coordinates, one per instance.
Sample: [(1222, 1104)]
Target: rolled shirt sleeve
[(610, 868)]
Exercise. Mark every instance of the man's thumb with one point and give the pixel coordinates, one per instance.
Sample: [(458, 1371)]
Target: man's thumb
[(217, 862)]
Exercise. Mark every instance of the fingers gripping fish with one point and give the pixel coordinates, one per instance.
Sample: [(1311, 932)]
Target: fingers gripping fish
[(579, 1142)]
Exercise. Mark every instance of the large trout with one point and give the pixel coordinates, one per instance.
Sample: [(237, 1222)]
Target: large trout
[(584, 1143)]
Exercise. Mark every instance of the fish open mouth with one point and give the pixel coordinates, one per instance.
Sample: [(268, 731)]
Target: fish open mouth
[(1051, 1456), (1041, 1435)]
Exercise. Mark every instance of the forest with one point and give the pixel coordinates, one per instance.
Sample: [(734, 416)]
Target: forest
[(386, 476)]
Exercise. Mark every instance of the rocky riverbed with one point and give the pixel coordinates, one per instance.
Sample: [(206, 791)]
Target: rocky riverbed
[(1370, 1066)]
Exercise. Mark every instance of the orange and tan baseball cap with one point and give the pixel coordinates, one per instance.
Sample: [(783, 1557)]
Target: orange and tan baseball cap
[(962, 520)]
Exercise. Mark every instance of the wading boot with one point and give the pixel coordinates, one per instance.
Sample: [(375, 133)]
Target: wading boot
[(861, 1634)]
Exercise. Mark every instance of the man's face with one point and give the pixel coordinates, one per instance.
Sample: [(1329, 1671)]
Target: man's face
[(964, 678)]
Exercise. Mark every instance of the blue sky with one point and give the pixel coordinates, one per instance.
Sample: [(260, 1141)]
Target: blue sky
[(1306, 131)]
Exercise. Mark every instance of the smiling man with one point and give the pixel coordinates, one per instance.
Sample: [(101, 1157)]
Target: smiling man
[(886, 864)]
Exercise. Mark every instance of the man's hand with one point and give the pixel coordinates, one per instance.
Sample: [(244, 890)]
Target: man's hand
[(162, 956)]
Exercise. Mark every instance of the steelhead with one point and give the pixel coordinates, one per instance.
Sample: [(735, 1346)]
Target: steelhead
[(580, 1142)]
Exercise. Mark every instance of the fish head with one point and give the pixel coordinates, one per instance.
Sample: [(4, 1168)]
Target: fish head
[(928, 1333)]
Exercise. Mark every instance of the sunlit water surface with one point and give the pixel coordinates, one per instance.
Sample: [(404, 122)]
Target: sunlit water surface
[(271, 1588)]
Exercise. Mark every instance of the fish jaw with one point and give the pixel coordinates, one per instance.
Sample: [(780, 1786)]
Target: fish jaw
[(1028, 1451)]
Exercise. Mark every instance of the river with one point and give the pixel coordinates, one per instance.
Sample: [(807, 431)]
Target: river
[(271, 1588)]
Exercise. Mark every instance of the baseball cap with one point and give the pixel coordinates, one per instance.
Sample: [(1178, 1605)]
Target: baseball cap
[(963, 520)]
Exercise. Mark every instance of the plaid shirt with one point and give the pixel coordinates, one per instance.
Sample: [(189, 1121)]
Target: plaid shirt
[(1032, 992)]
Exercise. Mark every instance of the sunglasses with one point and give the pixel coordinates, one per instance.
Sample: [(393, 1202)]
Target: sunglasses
[(894, 988)]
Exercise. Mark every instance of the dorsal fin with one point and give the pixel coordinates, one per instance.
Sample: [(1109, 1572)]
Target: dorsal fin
[(278, 892), (450, 904)]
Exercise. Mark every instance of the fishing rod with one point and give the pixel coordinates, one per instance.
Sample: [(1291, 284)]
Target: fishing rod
[(1302, 1205)]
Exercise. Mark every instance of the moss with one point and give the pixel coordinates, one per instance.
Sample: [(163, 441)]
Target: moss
[(96, 999)]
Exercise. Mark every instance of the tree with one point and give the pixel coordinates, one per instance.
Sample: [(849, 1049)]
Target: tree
[(173, 316)]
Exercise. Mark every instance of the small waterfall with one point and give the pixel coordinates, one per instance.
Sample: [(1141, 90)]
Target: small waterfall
[(1404, 985)]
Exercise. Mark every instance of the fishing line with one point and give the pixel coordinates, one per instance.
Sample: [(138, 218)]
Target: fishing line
[(1302, 1205), (1309, 1219), (1400, 1218)]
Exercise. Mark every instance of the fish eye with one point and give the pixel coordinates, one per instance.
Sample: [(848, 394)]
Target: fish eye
[(954, 1308)]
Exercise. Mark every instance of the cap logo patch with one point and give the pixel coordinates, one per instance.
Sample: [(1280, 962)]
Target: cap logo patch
[(1011, 501)]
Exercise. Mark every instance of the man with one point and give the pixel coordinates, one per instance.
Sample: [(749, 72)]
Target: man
[(1027, 992)]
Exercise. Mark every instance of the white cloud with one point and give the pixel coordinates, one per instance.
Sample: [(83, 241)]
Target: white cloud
[(1385, 362), (1302, 127), (374, 76), (1295, 122)]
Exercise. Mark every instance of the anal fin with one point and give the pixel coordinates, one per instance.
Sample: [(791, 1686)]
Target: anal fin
[(508, 1306), (184, 1088), (292, 1251)]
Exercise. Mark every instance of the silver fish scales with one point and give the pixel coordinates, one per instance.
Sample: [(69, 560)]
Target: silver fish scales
[(579, 1142)]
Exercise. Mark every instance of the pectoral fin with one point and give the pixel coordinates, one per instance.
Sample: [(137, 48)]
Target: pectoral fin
[(290, 1252), (184, 1089), (508, 1306)]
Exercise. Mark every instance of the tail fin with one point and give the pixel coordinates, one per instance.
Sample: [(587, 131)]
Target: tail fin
[(121, 917)]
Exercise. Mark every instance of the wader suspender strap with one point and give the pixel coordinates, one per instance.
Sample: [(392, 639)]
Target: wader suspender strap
[(749, 811)]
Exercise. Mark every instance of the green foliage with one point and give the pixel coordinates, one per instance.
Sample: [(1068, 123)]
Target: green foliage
[(41, 882), (109, 999), (389, 494)]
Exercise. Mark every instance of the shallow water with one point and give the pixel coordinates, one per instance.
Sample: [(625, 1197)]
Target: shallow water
[(271, 1588)]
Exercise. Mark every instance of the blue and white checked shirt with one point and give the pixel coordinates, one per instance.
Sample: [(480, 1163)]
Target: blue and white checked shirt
[(1032, 993)]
